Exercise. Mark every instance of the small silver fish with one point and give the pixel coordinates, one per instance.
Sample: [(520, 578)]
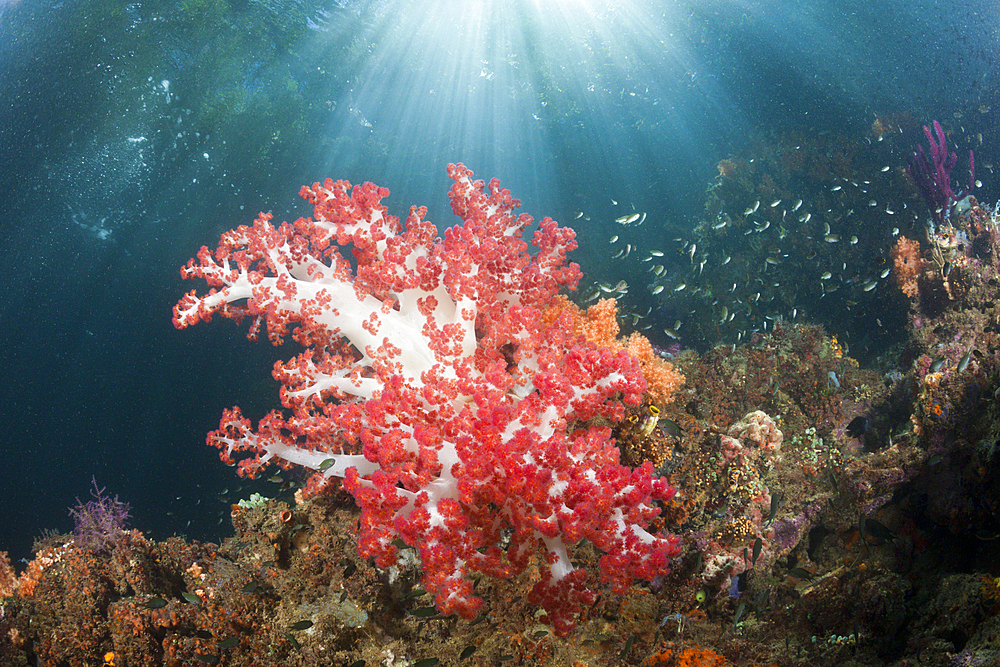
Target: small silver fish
[(964, 362), (579, 215), (656, 253), (886, 168), (775, 203), (826, 276), (885, 272), (870, 285), (719, 225), (657, 289), (836, 188), (725, 260), (614, 239), (680, 287), (832, 238)]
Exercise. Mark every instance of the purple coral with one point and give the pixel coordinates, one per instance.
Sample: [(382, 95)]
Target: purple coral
[(933, 177), (99, 522), (787, 533)]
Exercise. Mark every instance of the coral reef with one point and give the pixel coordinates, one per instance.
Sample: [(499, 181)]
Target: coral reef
[(800, 543), (826, 512)]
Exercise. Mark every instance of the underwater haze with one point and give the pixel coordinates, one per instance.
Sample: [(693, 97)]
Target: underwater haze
[(132, 134)]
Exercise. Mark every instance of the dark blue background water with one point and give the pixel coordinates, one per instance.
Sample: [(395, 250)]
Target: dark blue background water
[(130, 135)]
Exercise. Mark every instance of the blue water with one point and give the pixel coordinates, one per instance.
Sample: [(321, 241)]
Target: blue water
[(132, 135)]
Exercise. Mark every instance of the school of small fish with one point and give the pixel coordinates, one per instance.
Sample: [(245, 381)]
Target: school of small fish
[(808, 247)]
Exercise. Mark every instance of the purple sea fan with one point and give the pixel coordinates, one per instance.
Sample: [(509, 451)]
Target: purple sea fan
[(99, 522), (933, 176)]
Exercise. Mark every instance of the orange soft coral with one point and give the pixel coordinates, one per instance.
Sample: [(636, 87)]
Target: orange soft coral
[(907, 265), (700, 657), (660, 375), (44, 559), (8, 578), (689, 657), (599, 324)]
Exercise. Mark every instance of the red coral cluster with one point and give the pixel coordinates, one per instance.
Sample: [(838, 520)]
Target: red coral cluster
[(460, 418)]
